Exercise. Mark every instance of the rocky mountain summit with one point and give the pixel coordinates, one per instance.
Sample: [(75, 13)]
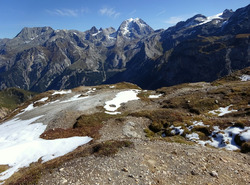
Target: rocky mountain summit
[(198, 49), (192, 133)]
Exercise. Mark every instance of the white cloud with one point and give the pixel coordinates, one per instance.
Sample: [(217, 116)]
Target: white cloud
[(161, 12), (132, 13), (110, 12), (174, 20), (68, 12)]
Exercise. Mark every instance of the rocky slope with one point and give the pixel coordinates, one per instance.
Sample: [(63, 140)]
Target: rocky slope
[(186, 134), (199, 49)]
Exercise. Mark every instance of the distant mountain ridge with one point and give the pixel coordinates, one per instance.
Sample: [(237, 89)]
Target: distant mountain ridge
[(198, 49)]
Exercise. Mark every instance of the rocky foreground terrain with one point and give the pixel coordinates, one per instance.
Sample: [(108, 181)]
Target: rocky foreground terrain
[(195, 133)]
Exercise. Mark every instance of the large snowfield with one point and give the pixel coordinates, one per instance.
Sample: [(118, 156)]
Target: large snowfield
[(21, 145)]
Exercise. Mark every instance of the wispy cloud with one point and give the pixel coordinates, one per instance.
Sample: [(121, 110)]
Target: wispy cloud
[(110, 12), (67, 12), (174, 20), (132, 13), (161, 13)]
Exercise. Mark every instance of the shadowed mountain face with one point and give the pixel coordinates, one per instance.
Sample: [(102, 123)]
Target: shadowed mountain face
[(199, 49)]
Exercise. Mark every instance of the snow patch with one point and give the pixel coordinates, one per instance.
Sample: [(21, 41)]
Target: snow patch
[(62, 92), (112, 113), (192, 137), (245, 135), (155, 96), (29, 108), (20, 145), (245, 78), (96, 33), (223, 138), (197, 123), (42, 100), (75, 98), (121, 97), (209, 19), (222, 111), (176, 130)]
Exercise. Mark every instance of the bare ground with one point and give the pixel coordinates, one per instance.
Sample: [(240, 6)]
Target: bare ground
[(152, 162)]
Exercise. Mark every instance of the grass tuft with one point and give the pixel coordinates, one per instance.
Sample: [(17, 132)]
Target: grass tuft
[(110, 148)]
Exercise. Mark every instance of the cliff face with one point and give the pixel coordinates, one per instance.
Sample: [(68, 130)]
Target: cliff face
[(199, 49)]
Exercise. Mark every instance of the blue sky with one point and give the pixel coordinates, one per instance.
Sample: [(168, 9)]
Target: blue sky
[(83, 14)]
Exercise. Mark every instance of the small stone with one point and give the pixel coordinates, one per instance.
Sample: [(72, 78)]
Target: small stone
[(109, 179), (61, 169), (216, 101), (112, 105), (64, 181), (193, 172), (214, 174), (124, 169), (131, 176), (223, 160)]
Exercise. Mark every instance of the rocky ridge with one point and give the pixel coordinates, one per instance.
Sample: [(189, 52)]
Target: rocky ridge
[(199, 49)]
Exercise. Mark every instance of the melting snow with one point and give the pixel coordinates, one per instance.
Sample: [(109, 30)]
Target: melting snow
[(75, 98), (176, 130), (121, 97), (245, 78), (29, 108), (222, 138), (225, 138), (245, 135), (209, 19), (192, 137), (197, 123), (21, 145), (222, 111), (42, 100), (155, 96), (62, 92)]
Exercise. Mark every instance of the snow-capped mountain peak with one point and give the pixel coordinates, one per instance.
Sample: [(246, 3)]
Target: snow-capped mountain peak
[(132, 27)]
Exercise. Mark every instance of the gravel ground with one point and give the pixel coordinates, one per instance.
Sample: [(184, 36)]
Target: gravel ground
[(156, 162), (152, 162)]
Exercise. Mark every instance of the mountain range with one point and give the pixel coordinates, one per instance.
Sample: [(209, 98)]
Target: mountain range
[(198, 49)]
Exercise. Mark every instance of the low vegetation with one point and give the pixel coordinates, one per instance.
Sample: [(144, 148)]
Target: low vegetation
[(110, 148), (186, 103), (10, 98), (3, 168)]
